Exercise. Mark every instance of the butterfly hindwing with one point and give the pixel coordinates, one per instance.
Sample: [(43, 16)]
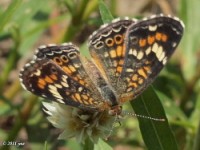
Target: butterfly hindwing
[(57, 73)]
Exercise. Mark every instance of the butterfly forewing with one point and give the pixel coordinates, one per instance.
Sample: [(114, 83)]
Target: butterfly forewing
[(149, 45), (107, 48)]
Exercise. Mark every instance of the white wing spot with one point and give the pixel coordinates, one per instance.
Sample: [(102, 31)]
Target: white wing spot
[(153, 28), (164, 60), (148, 51), (64, 84), (37, 73), (130, 52), (54, 91), (159, 52), (140, 55), (155, 48), (134, 52)]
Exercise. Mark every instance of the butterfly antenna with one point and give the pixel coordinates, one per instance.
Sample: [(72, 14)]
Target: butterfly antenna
[(142, 116)]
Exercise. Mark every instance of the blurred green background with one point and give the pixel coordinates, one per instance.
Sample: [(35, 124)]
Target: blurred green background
[(27, 24)]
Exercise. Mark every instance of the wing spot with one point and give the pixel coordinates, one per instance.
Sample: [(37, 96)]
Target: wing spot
[(118, 39), (81, 82), (148, 51), (119, 69), (134, 40), (37, 73), (142, 42), (159, 52), (54, 91), (48, 79), (147, 68), (129, 70), (41, 83), (80, 89), (41, 86), (140, 81), (65, 84), (106, 54), (150, 39), (135, 77), (129, 89), (72, 68), (64, 58), (142, 73), (130, 52), (53, 70), (72, 55), (132, 84), (78, 97), (119, 51), (174, 44), (58, 61), (58, 86), (115, 63), (90, 101), (153, 28), (109, 42), (85, 97), (99, 45), (158, 36), (155, 48), (53, 76), (164, 37), (134, 52), (164, 60), (162, 56), (121, 62), (140, 55), (67, 70), (113, 54)]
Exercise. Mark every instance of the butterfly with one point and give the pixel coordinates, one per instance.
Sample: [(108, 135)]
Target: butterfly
[(126, 57)]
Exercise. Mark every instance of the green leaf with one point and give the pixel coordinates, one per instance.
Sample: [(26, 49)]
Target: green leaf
[(106, 16), (45, 145), (101, 145), (157, 135), (88, 145), (7, 15), (191, 42), (172, 110)]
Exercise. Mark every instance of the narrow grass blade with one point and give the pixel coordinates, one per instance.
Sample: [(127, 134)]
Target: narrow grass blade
[(106, 16)]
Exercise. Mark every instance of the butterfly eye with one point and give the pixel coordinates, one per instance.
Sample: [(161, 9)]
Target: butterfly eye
[(134, 40)]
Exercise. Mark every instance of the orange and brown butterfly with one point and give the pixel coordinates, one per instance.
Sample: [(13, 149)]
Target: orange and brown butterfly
[(127, 55)]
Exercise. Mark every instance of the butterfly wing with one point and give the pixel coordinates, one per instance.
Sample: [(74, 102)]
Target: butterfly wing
[(130, 63), (57, 73), (107, 49), (149, 45)]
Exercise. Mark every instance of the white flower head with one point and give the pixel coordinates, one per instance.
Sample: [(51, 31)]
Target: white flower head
[(78, 123)]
